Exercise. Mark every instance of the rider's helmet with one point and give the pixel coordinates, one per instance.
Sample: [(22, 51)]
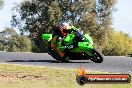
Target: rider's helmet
[(63, 27)]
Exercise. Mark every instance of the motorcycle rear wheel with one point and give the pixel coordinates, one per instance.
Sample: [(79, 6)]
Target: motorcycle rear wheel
[(65, 59)]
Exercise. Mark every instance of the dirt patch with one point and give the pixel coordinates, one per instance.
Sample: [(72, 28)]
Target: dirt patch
[(12, 77)]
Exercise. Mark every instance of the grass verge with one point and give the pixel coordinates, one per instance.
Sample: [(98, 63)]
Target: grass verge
[(16, 76)]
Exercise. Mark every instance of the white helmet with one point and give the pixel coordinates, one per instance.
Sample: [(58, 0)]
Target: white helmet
[(64, 25)]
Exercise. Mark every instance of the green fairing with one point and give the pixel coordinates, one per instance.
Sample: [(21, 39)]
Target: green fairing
[(46, 37), (69, 39), (59, 46), (82, 46), (85, 46), (89, 39)]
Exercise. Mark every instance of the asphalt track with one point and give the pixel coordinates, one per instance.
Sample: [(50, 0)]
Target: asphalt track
[(114, 64)]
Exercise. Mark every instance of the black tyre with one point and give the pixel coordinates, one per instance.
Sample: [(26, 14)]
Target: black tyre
[(97, 57), (65, 59), (55, 55)]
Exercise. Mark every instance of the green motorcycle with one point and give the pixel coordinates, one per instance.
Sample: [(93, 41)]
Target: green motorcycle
[(77, 46)]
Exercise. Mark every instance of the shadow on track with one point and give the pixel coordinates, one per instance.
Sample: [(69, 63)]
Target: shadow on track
[(49, 61)]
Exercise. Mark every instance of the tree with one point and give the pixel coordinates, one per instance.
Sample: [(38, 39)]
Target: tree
[(1, 3), (118, 43), (13, 42), (5, 37), (38, 17), (25, 44)]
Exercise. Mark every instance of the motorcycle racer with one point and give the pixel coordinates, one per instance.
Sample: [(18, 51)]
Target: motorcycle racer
[(68, 43), (59, 34)]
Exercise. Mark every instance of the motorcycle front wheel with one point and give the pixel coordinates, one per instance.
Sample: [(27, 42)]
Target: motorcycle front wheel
[(97, 57)]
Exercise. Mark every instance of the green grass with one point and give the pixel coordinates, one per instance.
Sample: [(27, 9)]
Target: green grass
[(16, 76)]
